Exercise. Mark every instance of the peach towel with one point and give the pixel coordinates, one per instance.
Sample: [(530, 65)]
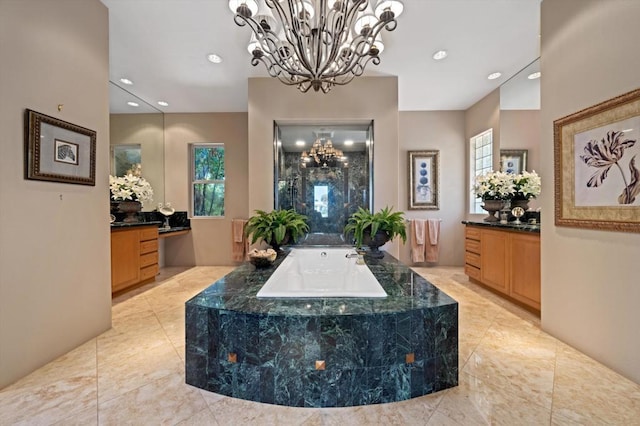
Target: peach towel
[(417, 240), (432, 242), (240, 246)]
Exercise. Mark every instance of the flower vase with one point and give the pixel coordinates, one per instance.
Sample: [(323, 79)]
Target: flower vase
[(492, 206), (130, 209)]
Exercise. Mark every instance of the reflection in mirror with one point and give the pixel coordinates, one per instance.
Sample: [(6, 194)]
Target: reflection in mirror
[(522, 91), (126, 159), (137, 140), (324, 172)]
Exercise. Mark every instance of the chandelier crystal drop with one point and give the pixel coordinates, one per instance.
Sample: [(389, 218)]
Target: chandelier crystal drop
[(316, 43)]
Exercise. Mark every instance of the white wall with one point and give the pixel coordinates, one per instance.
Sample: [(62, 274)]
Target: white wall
[(590, 285), (365, 98), (442, 131), (55, 285)]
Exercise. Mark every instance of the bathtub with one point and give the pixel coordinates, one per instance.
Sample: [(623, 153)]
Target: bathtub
[(321, 272)]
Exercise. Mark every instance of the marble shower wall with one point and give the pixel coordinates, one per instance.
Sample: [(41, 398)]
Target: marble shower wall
[(348, 189)]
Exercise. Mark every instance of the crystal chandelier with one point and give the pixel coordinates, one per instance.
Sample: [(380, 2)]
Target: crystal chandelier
[(316, 43), (322, 155)]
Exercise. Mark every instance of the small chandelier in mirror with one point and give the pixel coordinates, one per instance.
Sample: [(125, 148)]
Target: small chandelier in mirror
[(316, 43), (323, 155)]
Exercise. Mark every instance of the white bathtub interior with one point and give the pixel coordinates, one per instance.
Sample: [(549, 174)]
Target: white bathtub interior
[(322, 272)]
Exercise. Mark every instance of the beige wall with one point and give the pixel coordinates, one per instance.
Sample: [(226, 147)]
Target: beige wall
[(443, 131), (520, 129), (365, 98), (55, 286), (590, 287), (147, 130), (209, 242)]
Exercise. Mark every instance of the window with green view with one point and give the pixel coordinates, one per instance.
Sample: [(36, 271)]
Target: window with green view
[(207, 179)]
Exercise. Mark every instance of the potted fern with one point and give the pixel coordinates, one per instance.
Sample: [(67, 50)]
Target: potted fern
[(375, 229), (277, 227)]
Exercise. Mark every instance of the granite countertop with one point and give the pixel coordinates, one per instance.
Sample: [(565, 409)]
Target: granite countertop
[(524, 227), (134, 224), (237, 292)]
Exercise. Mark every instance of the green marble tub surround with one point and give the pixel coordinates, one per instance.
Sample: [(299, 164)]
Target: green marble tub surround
[(372, 350)]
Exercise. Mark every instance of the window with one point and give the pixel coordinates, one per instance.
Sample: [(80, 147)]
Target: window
[(481, 162), (207, 180)]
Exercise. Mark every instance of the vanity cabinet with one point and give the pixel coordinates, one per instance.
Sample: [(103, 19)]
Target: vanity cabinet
[(134, 256), (505, 260)]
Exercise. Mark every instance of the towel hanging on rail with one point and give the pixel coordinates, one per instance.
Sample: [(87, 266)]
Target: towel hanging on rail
[(417, 240), (425, 240), (432, 243), (240, 243)]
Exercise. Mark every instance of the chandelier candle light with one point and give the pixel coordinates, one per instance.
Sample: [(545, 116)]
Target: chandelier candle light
[(316, 43)]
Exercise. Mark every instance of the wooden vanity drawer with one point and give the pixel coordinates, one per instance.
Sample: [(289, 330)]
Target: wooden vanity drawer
[(472, 259), (472, 272), (150, 233), (148, 272), (148, 259), (473, 246), (472, 233), (148, 246)]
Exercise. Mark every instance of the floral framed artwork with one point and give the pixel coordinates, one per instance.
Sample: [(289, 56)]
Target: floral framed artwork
[(58, 151), (423, 180), (597, 178), (513, 161)]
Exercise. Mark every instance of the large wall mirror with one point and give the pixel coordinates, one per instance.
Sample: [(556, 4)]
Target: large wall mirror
[(324, 171), (137, 140), (520, 120)]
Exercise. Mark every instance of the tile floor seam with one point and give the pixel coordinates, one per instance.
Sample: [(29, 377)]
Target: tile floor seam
[(555, 376)]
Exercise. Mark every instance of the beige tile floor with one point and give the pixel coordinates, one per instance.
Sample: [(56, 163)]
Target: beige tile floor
[(511, 373)]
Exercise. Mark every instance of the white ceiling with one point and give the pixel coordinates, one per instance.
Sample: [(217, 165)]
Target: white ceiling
[(162, 46)]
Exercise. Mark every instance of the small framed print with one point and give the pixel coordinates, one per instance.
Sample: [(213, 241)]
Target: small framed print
[(423, 180), (59, 151), (513, 161)]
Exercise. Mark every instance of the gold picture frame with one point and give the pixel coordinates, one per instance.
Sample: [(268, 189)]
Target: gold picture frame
[(596, 166), (423, 174), (58, 151)]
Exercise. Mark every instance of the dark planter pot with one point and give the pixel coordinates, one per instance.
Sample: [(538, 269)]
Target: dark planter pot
[(374, 243), (284, 242)]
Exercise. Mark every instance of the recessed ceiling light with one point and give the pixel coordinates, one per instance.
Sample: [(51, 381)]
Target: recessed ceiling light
[(440, 54), (534, 75), (494, 75), (126, 81), (348, 142), (163, 103), (212, 57), (300, 143), (133, 104)]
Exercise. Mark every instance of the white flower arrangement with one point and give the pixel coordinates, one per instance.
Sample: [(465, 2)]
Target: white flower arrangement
[(506, 186), (130, 187), (526, 185), (494, 186)]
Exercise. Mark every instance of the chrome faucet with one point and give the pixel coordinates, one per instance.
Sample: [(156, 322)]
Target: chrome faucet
[(351, 255)]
